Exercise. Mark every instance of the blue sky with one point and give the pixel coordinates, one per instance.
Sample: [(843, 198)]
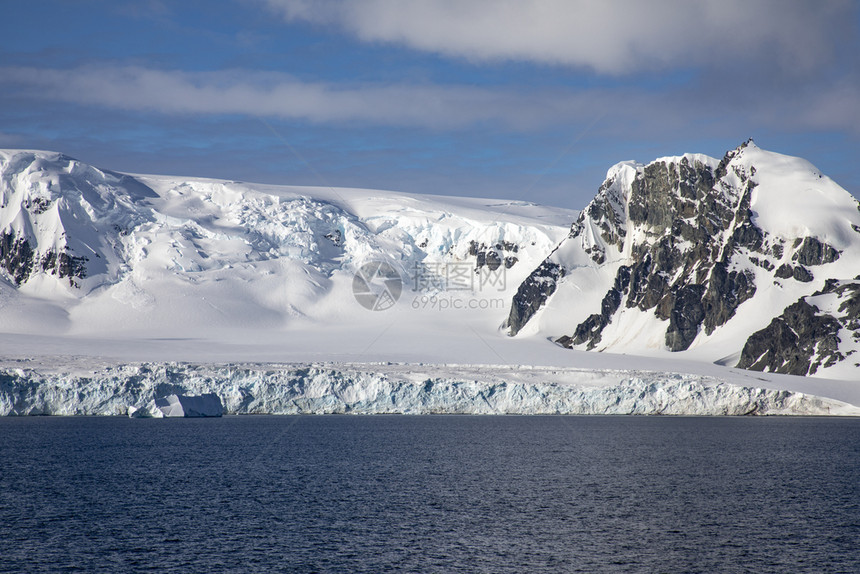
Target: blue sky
[(508, 99)]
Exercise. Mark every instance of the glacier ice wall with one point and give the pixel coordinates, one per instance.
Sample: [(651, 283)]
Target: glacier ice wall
[(355, 389)]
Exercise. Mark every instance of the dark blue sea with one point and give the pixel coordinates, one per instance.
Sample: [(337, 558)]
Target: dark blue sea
[(430, 494)]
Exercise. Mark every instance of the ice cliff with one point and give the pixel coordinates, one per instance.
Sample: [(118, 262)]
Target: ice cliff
[(367, 389)]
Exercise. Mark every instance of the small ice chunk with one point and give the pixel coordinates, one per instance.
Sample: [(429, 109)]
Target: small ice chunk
[(149, 411)]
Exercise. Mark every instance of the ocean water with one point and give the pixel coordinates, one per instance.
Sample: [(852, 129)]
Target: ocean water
[(430, 494)]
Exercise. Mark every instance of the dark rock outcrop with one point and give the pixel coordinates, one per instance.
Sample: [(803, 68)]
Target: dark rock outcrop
[(19, 260), (16, 257), (681, 269), (797, 342), (796, 272), (812, 251), (494, 256), (533, 293), (725, 293), (64, 265), (685, 317), (803, 339)]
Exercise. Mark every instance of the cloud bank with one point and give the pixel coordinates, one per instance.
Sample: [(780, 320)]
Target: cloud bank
[(277, 95), (609, 36), (436, 107)]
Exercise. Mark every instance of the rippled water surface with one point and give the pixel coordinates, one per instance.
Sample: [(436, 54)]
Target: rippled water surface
[(430, 494)]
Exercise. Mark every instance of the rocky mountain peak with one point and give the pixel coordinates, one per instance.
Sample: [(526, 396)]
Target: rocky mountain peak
[(683, 242)]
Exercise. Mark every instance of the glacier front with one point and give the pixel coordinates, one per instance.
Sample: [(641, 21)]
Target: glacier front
[(326, 388)]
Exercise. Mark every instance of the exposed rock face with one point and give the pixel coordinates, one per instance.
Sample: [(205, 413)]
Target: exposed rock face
[(533, 293), (65, 265), (16, 257), (685, 242), (803, 338), (19, 260), (494, 256), (799, 273), (685, 318), (680, 254), (811, 251)]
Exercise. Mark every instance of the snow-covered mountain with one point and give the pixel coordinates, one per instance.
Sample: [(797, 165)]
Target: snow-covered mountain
[(85, 251), (678, 270), (752, 260)]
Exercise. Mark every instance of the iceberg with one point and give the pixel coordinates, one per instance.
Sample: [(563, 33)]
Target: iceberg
[(208, 405)]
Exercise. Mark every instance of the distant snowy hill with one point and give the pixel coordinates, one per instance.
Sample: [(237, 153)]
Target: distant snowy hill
[(752, 260)]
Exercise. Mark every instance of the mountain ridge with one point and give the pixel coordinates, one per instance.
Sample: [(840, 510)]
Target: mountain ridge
[(684, 242)]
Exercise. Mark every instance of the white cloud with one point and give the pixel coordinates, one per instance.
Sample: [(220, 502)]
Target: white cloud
[(609, 36), (622, 111), (267, 94), (836, 107)]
